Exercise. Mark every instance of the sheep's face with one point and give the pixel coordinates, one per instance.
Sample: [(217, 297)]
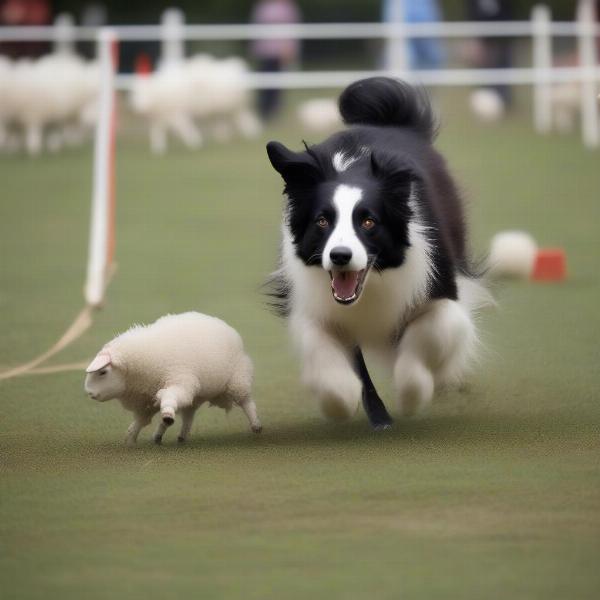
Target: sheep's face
[(105, 383)]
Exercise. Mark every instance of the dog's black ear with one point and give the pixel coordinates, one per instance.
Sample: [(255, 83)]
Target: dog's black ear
[(294, 167), (395, 178)]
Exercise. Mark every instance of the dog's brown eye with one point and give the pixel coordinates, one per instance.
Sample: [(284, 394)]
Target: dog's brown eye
[(322, 222), (368, 223)]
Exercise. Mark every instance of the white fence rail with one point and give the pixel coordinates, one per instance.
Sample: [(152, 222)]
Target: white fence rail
[(433, 77), (304, 31)]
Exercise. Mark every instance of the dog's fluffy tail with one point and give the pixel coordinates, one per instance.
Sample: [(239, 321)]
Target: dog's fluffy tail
[(388, 102), (474, 294)]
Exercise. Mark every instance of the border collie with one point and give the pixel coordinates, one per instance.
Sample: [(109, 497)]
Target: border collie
[(374, 255)]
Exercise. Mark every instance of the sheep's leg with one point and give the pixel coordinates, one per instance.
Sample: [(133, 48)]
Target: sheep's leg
[(171, 399), (158, 137), (33, 138), (140, 421), (184, 127), (160, 431), (187, 418), (249, 409), (248, 124), (239, 390)]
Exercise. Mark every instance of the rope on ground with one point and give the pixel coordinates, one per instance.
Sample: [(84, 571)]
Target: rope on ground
[(78, 327), (81, 324), (79, 366)]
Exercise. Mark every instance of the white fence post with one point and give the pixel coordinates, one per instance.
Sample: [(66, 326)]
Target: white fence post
[(172, 37), (590, 121), (542, 64), (102, 214), (64, 34)]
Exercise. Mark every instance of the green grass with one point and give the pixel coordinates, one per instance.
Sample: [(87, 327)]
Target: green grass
[(495, 493)]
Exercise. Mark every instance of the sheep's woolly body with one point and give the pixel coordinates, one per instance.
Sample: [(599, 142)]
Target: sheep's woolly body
[(173, 351), (174, 365)]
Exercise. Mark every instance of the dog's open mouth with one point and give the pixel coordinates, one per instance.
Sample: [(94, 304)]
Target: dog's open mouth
[(346, 286)]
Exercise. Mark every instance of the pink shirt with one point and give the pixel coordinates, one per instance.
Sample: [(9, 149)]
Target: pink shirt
[(273, 12)]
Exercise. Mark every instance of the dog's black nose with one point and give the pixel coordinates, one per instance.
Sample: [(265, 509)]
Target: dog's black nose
[(340, 255)]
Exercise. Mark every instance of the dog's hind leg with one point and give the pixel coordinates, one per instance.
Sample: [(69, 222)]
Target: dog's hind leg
[(435, 347), (376, 412)]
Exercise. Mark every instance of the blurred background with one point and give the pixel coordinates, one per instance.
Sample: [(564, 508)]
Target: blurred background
[(52, 102)]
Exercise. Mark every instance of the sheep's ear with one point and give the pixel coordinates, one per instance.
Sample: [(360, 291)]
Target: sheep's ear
[(101, 360), (300, 167)]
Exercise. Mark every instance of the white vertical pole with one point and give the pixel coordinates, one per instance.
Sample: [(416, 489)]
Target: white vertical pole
[(101, 226), (542, 64), (171, 33), (64, 34), (590, 119), (396, 51)]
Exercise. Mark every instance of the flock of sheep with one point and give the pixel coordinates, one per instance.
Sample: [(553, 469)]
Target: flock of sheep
[(46, 103), (197, 97), (51, 102)]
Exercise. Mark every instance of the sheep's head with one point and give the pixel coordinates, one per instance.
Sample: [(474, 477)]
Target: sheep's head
[(104, 380)]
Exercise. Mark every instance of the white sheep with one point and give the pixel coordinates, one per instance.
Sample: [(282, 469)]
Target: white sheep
[(201, 90), (174, 365), (54, 91)]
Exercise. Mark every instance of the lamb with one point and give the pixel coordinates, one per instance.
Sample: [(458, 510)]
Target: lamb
[(174, 365)]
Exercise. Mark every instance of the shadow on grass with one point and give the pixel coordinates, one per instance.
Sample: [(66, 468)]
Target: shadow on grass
[(447, 430), (450, 428), (549, 434)]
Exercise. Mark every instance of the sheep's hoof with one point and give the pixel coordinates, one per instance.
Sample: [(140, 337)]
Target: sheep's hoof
[(168, 420), (256, 428), (180, 439)]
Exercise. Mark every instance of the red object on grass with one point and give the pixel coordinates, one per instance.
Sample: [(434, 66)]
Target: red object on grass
[(550, 265), (143, 64)]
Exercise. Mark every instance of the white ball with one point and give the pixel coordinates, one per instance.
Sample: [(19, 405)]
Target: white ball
[(487, 105), (512, 254)]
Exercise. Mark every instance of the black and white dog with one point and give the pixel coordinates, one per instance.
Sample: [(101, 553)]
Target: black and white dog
[(374, 254)]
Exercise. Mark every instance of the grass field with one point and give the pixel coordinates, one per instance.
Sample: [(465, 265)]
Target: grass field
[(495, 493)]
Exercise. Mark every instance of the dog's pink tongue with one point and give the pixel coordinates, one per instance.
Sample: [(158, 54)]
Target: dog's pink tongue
[(344, 284)]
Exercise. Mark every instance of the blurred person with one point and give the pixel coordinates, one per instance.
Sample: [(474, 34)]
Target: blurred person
[(22, 13), (492, 52), (273, 55), (423, 53)]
